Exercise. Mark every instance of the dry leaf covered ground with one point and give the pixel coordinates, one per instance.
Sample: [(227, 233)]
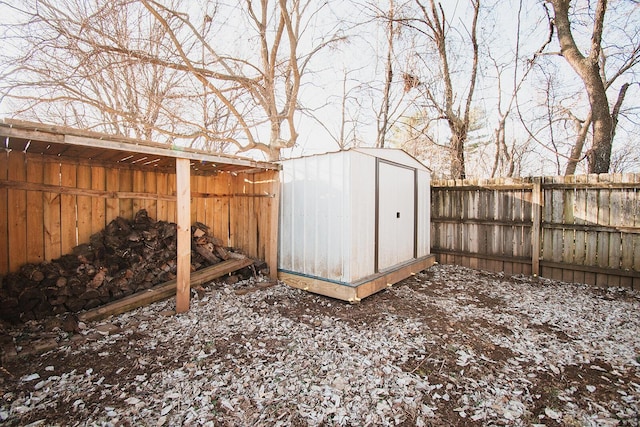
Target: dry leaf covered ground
[(450, 346)]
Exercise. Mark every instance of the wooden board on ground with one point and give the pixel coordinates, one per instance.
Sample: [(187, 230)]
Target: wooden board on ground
[(354, 293), (164, 291)]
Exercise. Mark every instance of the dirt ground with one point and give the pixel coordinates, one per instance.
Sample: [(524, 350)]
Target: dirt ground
[(449, 346)]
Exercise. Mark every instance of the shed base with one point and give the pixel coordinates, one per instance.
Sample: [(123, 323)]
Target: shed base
[(362, 289)]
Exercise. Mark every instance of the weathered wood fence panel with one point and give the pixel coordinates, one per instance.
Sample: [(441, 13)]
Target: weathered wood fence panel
[(577, 228), (49, 206)]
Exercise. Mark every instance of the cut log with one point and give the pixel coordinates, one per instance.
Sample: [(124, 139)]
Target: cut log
[(164, 291), (207, 254)]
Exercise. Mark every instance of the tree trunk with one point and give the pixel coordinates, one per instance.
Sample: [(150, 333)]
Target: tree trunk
[(588, 68), (458, 139), (599, 157), (615, 111), (383, 115), (458, 121), (576, 151)]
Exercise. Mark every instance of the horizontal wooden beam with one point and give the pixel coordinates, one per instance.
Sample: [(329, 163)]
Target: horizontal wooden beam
[(525, 187), (163, 291), (319, 286), (391, 277), (591, 186), (442, 220), (545, 225), (547, 264), (505, 258), (62, 135), (591, 269), (230, 195), (591, 227), (60, 189)]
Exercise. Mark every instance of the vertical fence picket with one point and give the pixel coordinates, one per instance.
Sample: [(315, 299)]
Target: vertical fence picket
[(172, 204), (579, 219), (98, 204), (151, 187), (591, 218), (615, 237), (627, 212), (68, 222), (162, 208), (126, 184), (636, 236), (17, 207), (223, 208), (112, 204), (4, 213), (83, 208), (137, 186), (508, 216), (52, 212), (568, 249), (472, 213), (557, 232), (602, 257), (547, 214), (35, 211), (537, 206)]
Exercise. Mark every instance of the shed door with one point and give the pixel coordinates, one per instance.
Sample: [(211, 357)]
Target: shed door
[(396, 215)]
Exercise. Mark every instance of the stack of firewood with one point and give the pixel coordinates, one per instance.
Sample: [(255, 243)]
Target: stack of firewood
[(126, 257)]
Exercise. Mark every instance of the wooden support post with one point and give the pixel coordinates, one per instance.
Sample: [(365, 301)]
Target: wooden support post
[(537, 202), (183, 215), (271, 254)]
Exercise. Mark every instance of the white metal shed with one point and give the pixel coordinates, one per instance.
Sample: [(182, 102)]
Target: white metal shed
[(353, 222)]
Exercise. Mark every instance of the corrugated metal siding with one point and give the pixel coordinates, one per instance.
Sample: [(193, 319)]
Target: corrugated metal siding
[(424, 214), (314, 235), (362, 207)]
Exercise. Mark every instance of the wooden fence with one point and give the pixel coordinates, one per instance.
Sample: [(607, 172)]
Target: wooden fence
[(48, 206), (582, 229)]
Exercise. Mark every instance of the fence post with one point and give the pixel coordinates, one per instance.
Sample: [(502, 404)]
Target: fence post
[(537, 202)]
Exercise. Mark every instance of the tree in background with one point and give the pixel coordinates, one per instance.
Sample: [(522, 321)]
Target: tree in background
[(253, 76), (269, 81), (511, 74), (590, 66), (146, 66), (68, 61), (449, 101), (392, 28)]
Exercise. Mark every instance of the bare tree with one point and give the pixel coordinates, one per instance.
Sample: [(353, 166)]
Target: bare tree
[(451, 105), (344, 132), (270, 81), (143, 65), (383, 114), (413, 134), (507, 158), (590, 68), (69, 62)]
